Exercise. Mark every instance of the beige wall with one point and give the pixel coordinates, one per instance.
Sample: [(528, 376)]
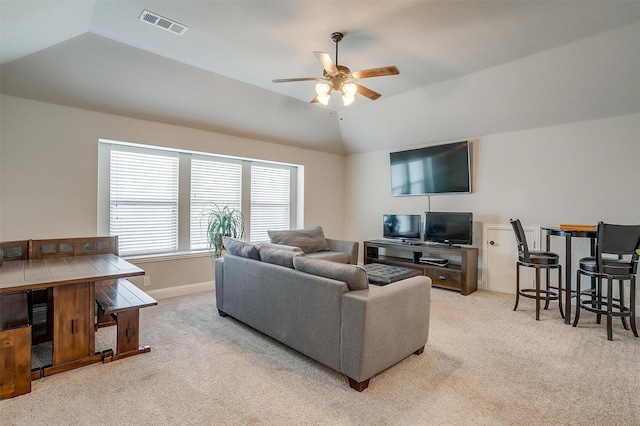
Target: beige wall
[(49, 160), (573, 173)]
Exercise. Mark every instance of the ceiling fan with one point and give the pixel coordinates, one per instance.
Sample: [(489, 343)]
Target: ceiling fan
[(340, 78)]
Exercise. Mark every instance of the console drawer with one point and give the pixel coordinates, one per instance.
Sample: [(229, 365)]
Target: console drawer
[(442, 277)]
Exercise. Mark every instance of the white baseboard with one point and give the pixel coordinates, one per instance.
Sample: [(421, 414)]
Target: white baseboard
[(181, 290)]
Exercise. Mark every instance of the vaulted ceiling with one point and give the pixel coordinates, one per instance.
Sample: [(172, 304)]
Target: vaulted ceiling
[(99, 55)]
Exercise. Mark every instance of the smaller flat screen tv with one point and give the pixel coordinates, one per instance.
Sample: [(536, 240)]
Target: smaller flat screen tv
[(401, 226), (448, 228)]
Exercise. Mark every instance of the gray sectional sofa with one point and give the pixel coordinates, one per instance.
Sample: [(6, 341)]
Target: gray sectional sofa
[(324, 309), (313, 243)]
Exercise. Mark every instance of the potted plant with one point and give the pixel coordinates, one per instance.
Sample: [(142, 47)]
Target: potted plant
[(223, 221)]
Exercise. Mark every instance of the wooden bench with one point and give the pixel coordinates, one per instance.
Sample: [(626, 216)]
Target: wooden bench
[(119, 302), (15, 345)]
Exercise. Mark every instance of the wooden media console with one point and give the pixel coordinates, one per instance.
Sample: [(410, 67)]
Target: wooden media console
[(459, 274)]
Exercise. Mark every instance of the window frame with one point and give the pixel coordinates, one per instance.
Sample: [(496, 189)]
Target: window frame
[(184, 192), (146, 192)]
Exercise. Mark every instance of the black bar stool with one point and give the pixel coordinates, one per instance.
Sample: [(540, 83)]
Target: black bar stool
[(539, 260), (614, 243)]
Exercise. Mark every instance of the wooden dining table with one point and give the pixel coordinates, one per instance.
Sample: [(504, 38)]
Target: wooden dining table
[(72, 280)]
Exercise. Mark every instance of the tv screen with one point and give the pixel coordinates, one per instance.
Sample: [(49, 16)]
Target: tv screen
[(403, 226), (448, 227), (438, 169)]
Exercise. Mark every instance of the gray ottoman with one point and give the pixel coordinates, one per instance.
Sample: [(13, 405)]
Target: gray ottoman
[(380, 274)]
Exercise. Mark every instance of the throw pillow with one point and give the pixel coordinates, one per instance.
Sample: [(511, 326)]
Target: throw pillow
[(310, 240), (240, 248), (278, 257), (355, 276)]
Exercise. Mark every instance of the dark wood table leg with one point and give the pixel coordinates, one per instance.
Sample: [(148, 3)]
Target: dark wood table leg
[(73, 329), (594, 286), (128, 341), (567, 279)]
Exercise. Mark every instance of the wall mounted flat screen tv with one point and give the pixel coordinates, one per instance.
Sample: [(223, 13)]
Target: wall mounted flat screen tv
[(401, 226), (450, 228), (438, 169)]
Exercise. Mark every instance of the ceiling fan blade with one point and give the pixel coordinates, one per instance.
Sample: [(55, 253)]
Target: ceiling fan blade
[(367, 92), (287, 80), (376, 72), (326, 62)]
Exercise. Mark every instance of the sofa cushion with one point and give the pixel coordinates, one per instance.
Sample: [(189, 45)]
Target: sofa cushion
[(334, 256), (277, 256), (240, 248), (355, 276), (281, 247), (310, 240)]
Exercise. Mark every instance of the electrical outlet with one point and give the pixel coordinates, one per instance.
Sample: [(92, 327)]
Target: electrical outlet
[(147, 281)]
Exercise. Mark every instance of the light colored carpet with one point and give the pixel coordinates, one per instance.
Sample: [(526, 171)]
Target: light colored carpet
[(484, 365)]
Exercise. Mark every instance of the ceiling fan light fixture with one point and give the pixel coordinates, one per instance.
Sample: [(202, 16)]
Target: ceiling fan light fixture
[(347, 99), (349, 89), (338, 78), (322, 89), (324, 99)]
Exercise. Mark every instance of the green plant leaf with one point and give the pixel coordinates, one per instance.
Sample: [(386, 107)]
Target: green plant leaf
[(222, 221)]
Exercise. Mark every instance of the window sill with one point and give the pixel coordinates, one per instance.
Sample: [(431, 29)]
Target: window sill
[(163, 257)]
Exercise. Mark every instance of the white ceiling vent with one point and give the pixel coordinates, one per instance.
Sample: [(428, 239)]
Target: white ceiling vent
[(162, 22)]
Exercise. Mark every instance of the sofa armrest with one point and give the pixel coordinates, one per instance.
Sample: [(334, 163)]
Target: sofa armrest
[(350, 247), (383, 325)]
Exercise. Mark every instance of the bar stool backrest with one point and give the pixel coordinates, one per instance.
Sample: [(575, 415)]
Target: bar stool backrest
[(621, 240), (521, 240)]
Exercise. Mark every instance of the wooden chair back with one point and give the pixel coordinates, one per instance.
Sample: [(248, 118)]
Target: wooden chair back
[(65, 247), (14, 250)]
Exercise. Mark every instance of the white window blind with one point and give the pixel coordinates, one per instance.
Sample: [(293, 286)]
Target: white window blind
[(156, 198), (270, 201), (213, 182), (144, 200)]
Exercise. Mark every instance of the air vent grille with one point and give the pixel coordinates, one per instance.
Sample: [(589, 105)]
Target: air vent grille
[(162, 22)]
